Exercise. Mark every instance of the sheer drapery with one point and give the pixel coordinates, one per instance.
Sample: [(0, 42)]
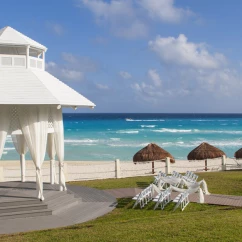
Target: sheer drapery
[(22, 148), (34, 125), (4, 126), (59, 143), (51, 153)]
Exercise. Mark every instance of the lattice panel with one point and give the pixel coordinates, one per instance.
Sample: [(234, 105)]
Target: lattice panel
[(14, 123), (50, 121)]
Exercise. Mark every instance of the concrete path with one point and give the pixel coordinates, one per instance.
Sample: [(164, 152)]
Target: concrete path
[(216, 199)]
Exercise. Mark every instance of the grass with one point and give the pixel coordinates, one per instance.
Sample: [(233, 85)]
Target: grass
[(228, 183), (198, 222)]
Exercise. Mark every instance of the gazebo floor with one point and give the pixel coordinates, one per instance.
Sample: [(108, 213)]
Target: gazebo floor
[(21, 211)]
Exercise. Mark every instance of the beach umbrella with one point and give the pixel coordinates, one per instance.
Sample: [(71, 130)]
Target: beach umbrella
[(152, 152), (238, 154), (205, 151)]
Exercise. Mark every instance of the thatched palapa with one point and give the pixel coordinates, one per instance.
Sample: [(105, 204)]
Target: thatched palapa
[(238, 154), (205, 151), (152, 152)]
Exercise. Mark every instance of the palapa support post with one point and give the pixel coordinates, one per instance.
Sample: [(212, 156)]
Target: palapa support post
[(223, 163), (117, 168), (168, 170), (206, 165), (23, 167), (153, 167)]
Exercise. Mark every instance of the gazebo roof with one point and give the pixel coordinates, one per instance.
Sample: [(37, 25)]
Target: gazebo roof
[(32, 86), (10, 36)]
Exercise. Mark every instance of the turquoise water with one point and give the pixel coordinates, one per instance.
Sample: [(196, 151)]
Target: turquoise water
[(111, 136)]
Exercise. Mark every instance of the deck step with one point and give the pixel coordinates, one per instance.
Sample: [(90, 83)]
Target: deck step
[(63, 204), (25, 214), (19, 202), (25, 207)]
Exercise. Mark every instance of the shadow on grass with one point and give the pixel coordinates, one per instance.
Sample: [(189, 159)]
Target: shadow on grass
[(125, 203), (76, 227), (142, 184)]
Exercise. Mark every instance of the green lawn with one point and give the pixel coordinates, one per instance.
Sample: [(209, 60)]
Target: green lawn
[(229, 182), (198, 222)]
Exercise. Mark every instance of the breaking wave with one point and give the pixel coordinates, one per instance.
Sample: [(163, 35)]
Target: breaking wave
[(144, 120), (127, 132), (148, 126)]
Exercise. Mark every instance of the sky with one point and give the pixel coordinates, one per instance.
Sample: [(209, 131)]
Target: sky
[(155, 56)]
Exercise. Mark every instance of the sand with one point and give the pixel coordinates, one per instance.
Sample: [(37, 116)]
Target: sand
[(89, 170)]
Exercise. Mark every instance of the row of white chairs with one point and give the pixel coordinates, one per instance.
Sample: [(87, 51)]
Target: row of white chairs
[(190, 177), (144, 196), (162, 199), (159, 175), (176, 174), (181, 200)]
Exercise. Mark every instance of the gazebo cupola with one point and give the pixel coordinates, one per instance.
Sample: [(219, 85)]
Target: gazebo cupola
[(31, 102), (18, 50)]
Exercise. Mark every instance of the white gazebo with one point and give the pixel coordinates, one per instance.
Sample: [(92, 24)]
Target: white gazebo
[(31, 102)]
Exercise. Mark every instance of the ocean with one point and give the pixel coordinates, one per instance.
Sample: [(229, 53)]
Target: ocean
[(105, 137)]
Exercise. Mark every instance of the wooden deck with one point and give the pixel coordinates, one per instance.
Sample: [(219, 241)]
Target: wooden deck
[(20, 211)]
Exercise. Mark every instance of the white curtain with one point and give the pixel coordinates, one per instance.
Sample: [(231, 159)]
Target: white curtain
[(22, 148), (34, 125), (4, 126), (59, 143), (51, 153)]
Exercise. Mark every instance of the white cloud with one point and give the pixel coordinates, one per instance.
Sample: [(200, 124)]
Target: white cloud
[(64, 73), (154, 76), (119, 15), (101, 86), (128, 18), (56, 28), (72, 75), (125, 75), (179, 51), (80, 63), (164, 10)]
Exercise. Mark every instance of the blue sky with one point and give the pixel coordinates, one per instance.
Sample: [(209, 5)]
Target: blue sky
[(140, 55)]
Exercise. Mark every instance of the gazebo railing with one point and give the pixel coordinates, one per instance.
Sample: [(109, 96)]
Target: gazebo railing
[(19, 61)]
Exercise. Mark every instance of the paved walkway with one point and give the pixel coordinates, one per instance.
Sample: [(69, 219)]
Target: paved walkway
[(215, 199)]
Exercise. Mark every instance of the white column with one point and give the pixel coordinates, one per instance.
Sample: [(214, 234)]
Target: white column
[(117, 168), (224, 163), (168, 165), (27, 57), (43, 57), (23, 167), (60, 177)]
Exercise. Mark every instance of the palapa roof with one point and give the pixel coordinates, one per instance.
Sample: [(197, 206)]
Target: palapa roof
[(32, 86), (238, 154), (10, 36), (205, 151), (152, 152)]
